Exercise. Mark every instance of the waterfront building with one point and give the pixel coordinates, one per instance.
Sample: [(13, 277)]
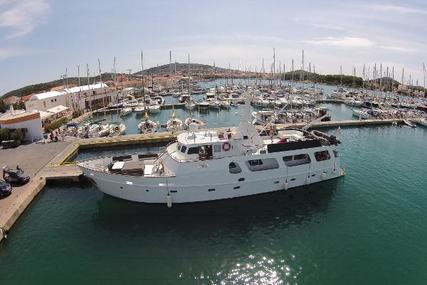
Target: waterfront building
[(20, 119), (87, 97)]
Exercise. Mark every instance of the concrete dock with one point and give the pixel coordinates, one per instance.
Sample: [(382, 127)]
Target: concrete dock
[(32, 158), (44, 162)]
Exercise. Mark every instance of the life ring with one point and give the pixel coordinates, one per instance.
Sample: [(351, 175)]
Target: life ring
[(226, 146)]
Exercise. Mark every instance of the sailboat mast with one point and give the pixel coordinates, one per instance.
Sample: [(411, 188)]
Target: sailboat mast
[(189, 91), (424, 77), (142, 73)]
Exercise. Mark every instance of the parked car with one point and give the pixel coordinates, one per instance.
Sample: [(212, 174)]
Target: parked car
[(10, 144), (15, 176), (5, 189)]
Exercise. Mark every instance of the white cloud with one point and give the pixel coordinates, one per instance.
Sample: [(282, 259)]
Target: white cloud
[(23, 16), (346, 42), (399, 48), (397, 9)]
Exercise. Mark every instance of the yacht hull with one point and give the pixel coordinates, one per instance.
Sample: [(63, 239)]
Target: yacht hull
[(193, 188)]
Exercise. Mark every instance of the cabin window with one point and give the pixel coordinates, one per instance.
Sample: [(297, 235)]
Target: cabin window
[(234, 168), (322, 155), (296, 160), (287, 158), (262, 164), (183, 149), (217, 148), (255, 162), (245, 137), (193, 150)]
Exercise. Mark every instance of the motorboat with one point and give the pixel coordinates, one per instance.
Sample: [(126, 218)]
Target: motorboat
[(126, 111), (215, 164), (154, 109), (193, 123)]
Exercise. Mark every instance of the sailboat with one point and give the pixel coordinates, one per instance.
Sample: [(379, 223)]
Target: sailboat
[(147, 126), (174, 124)]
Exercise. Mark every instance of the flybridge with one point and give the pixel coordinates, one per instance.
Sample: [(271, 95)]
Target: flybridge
[(300, 139)]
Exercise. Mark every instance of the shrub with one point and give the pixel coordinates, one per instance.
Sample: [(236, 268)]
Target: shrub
[(4, 134), (17, 135), (55, 124)]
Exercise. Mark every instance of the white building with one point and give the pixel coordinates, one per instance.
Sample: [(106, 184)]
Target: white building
[(76, 98), (20, 119)]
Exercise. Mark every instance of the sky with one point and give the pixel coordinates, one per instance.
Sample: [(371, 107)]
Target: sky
[(40, 39)]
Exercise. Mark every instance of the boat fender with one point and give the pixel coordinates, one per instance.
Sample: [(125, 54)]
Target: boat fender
[(169, 200), (323, 175), (3, 233), (226, 146), (286, 185)]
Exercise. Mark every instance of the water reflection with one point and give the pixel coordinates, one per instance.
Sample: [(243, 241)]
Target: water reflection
[(237, 241), (277, 209)]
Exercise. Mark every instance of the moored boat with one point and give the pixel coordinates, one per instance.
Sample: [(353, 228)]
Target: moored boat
[(219, 164), (125, 111), (193, 123)]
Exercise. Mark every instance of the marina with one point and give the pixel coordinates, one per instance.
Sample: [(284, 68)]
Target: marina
[(213, 142)]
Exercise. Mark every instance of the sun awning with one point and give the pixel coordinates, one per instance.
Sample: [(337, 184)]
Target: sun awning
[(58, 109)]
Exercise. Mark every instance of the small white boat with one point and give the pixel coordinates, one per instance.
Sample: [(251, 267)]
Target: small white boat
[(190, 105), (153, 109), (159, 99), (140, 109), (125, 111), (130, 103), (361, 114), (82, 131), (184, 98), (93, 131), (174, 124), (215, 105), (147, 126), (117, 129), (204, 105), (104, 130), (193, 123), (224, 104), (97, 130)]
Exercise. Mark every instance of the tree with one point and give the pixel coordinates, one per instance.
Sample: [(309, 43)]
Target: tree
[(3, 106)]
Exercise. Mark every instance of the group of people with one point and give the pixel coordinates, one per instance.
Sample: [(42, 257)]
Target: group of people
[(54, 135)]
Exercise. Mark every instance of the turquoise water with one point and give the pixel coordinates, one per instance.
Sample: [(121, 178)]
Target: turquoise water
[(368, 227)]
